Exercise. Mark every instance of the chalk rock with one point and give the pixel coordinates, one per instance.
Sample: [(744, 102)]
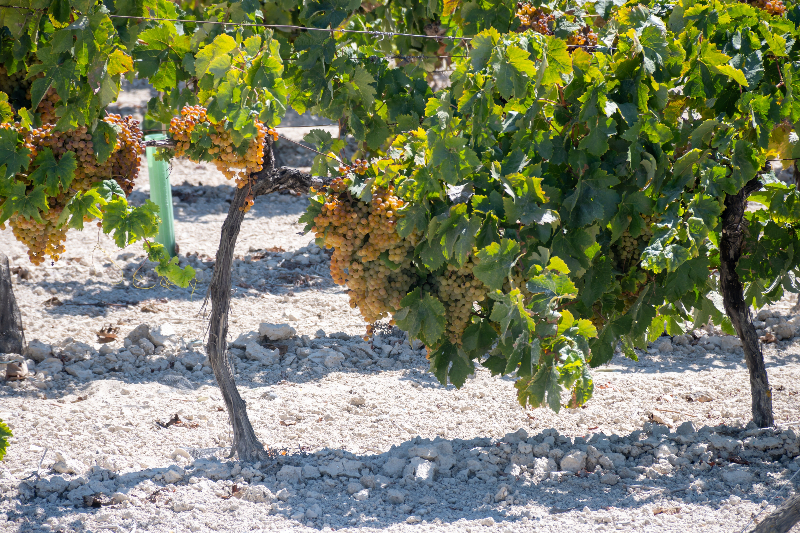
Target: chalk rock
[(574, 461), (265, 356), (244, 339), (173, 475), (290, 474), (315, 511), (38, 351), (687, 428), (79, 371), (663, 345), (139, 332), (333, 360), (211, 469), (50, 366), (427, 452), (394, 467), (162, 334), (395, 496), (56, 484), (737, 475), (276, 332), (421, 470), (192, 359), (256, 494), (609, 479), (310, 472), (730, 343), (361, 495), (722, 442), (764, 443)]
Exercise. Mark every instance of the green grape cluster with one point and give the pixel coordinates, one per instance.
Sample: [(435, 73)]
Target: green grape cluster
[(15, 85), (458, 289), (628, 248), (369, 256), (46, 238)]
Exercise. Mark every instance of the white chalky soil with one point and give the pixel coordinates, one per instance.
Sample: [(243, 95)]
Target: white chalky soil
[(372, 441)]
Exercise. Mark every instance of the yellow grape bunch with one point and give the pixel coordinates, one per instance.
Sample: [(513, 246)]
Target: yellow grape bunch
[(233, 161), (459, 290), (535, 18), (773, 7), (47, 238), (369, 256)]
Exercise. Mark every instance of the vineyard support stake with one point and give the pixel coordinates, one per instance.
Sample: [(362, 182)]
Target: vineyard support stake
[(161, 195)]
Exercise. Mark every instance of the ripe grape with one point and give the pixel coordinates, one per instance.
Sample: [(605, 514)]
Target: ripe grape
[(46, 238), (232, 161), (365, 246)]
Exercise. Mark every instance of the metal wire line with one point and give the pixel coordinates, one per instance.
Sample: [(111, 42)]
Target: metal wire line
[(276, 26)]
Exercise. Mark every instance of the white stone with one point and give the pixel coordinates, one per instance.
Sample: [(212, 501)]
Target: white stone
[(244, 339), (315, 511), (162, 334), (256, 494), (395, 496), (172, 476), (394, 467), (50, 366), (721, 442), (38, 351), (180, 452), (276, 332), (79, 372), (361, 495), (284, 494), (333, 360), (289, 474), (139, 332), (69, 466), (609, 479), (663, 345), (427, 452), (737, 475), (335, 468), (423, 471), (574, 461), (265, 356), (310, 471)]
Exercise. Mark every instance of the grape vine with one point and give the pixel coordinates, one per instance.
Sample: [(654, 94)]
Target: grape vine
[(534, 184)]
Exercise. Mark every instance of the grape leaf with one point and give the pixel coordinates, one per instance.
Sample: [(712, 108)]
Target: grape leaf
[(494, 263), (450, 361), (85, 204), (14, 155), (26, 204), (129, 224), (55, 176), (104, 140), (422, 316)]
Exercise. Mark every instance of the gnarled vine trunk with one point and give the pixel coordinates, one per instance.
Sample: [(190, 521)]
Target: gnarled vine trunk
[(782, 519), (12, 336), (730, 248), (245, 443)]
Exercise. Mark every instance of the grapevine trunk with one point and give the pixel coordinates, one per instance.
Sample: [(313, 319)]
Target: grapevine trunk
[(245, 443), (782, 519), (12, 336), (735, 306)]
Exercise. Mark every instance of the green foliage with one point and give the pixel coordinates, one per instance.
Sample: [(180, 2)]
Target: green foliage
[(585, 184), (5, 434)]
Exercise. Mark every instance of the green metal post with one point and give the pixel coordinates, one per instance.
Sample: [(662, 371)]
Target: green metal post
[(161, 195)]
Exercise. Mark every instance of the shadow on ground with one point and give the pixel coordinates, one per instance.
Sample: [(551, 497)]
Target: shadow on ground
[(352, 491)]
